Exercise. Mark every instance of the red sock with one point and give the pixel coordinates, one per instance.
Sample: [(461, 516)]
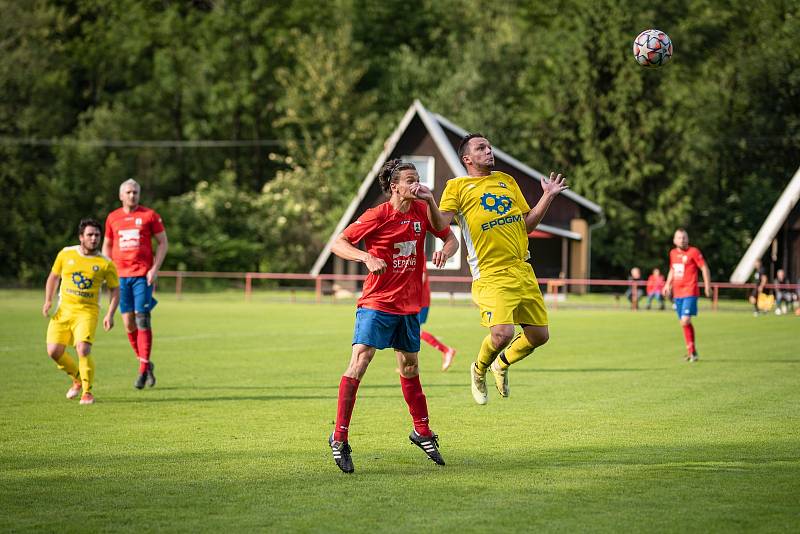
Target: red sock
[(144, 341), (132, 339), (344, 410), (417, 405), (688, 334), (431, 340)]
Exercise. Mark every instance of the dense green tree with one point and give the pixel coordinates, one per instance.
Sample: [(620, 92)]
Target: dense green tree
[(302, 94)]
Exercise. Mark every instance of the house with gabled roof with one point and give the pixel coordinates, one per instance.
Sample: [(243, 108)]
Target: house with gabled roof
[(777, 242), (560, 245)]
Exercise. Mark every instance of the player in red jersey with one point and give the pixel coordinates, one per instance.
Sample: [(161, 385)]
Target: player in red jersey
[(129, 234), (684, 262), (387, 314)]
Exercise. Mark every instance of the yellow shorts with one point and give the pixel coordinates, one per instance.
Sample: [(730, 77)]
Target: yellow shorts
[(510, 297), (70, 329)]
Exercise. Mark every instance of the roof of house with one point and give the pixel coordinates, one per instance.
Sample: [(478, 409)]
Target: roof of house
[(780, 211), (436, 125)]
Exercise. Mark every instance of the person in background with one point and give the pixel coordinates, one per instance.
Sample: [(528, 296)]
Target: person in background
[(448, 353), (635, 277), (655, 284), (129, 234), (784, 297), (684, 262), (759, 279)]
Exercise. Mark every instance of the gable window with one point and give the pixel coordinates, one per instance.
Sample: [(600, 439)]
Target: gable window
[(433, 243), (425, 167)]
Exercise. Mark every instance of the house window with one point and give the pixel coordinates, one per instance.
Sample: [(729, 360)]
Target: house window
[(433, 243), (425, 166)]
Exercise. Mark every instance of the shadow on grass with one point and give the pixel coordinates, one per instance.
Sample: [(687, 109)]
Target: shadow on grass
[(287, 486), (589, 370), (713, 360)]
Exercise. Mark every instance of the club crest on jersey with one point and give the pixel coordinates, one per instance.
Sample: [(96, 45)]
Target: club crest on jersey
[(499, 204), (138, 221), (417, 227)]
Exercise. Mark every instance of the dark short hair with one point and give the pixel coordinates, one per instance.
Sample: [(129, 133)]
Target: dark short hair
[(391, 170), (88, 221), (462, 145)]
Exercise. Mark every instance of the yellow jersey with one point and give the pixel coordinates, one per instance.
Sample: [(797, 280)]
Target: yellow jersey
[(82, 278), (491, 213)]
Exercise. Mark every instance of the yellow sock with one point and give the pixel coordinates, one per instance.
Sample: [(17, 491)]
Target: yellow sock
[(486, 355), (517, 350), (87, 372), (68, 365)]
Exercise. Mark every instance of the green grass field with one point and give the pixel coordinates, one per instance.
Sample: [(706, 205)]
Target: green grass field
[(606, 429)]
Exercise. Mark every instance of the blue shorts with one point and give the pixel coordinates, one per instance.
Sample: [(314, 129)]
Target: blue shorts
[(383, 330), (686, 306), (135, 295), (423, 315)]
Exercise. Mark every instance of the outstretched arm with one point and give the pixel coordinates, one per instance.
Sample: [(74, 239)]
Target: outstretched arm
[(343, 248), (551, 188)]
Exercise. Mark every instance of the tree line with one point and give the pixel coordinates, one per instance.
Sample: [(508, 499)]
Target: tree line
[(300, 96)]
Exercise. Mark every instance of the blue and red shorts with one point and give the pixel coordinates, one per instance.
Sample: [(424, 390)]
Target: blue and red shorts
[(383, 330), (135, 295)]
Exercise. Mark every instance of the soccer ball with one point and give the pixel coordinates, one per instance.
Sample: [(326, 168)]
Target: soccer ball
[(652, 48)]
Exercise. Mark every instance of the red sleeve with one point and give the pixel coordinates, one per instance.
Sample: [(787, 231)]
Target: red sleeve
[(156, 225), (109, 231), (365, 224), (698, 257)]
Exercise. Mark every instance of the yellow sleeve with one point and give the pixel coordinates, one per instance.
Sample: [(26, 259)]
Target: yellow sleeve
[(521, 202), (450, 197), (112, 279), (56, 268)]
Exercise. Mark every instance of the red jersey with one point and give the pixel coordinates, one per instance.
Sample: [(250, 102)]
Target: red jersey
[(425, 297), (684, 265), (398, 239), (655, 283), (130, 235)]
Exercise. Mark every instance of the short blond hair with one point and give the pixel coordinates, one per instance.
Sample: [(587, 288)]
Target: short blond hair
[(132, 182)]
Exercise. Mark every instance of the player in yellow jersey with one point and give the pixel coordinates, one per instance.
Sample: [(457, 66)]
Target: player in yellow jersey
[(81, 269), (495, 220)]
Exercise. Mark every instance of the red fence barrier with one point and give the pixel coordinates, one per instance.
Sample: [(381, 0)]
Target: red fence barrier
[(552, 286)]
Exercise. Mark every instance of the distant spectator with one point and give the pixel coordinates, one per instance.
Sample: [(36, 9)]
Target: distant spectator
[(784, 297), (759, 280), (634, 278), (655, 283)]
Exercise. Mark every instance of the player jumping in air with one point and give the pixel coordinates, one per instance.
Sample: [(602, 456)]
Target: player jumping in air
[(388, 310), (684, 262), (496, 219), (82, 272), (129, 231)]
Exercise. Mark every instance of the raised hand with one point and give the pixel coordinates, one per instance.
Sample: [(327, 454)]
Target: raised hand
[(555, 184)]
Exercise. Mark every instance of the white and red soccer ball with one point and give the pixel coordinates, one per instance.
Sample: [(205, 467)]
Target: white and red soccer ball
[(652, 48)]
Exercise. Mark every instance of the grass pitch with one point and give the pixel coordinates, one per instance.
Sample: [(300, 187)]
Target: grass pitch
[(606, 429)]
